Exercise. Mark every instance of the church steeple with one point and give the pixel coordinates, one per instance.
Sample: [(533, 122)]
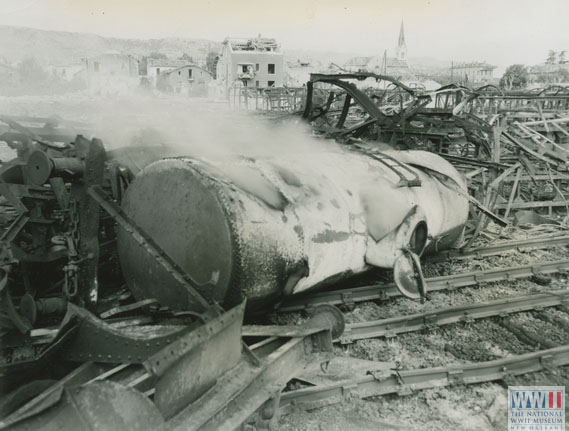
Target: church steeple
[(401, 46), (401, 36)]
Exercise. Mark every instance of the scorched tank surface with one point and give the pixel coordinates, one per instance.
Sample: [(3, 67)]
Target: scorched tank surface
[(265, 227)]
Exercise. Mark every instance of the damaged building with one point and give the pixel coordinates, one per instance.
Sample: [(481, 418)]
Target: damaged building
[(252, 62), (111, 73), (178, 76), (187, 80), (158, 66)]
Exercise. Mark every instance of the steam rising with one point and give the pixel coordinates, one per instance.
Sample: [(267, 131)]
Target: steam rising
[(180, 126)]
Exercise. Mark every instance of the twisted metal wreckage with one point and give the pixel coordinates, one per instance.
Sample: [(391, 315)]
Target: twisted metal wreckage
[(118, 314), (511, 147)]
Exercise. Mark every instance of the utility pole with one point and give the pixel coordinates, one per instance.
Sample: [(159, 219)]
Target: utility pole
[(385, 67)]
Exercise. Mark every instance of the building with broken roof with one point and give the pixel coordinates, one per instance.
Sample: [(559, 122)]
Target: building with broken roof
[(158, 66), (297, 73), (251, 62), (187, 80)]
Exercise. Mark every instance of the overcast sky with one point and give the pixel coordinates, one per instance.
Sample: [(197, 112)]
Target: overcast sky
[(501, 32)]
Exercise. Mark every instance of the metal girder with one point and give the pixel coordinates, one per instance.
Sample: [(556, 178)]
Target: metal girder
[(248, 386), (88, 211), (385, 291), (190, 365), (339, 80), (46, 129), (462, 313), (325, 77), (246, 389), (231, 387), (535, 150)]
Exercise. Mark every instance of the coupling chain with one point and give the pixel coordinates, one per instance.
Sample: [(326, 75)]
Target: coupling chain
[(71, 285)]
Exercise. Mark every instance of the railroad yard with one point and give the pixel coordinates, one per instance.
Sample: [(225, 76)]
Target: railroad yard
[(447, 332), (432, 346)]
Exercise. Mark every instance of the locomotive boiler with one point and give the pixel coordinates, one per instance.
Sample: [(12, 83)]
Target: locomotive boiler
[(263, 228), (132, 262)]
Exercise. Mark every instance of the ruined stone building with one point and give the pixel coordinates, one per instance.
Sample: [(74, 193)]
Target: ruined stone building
[(253, 62), (187, 80), (298, 72), (158, 66), (111, 73)]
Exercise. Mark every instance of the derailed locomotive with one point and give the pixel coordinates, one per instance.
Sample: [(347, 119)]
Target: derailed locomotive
[(260, 229), (189, 234)]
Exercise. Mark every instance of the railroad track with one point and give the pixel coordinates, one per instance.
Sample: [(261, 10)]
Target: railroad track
[(407, 381), (136, 376), (373, 292), (463, 313), (350, 296), (540, 242)]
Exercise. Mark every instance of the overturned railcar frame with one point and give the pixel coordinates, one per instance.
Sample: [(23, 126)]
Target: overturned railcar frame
[(403, 117)]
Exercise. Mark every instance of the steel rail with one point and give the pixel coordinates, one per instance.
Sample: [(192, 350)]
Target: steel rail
[(385, 291), (405, 382), (494, 249), (462, 313)]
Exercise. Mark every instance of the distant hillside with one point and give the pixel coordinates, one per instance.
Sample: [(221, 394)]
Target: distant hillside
[(60, 47)]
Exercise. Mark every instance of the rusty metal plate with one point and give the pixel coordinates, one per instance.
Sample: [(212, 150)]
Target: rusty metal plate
[(190, 366)]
